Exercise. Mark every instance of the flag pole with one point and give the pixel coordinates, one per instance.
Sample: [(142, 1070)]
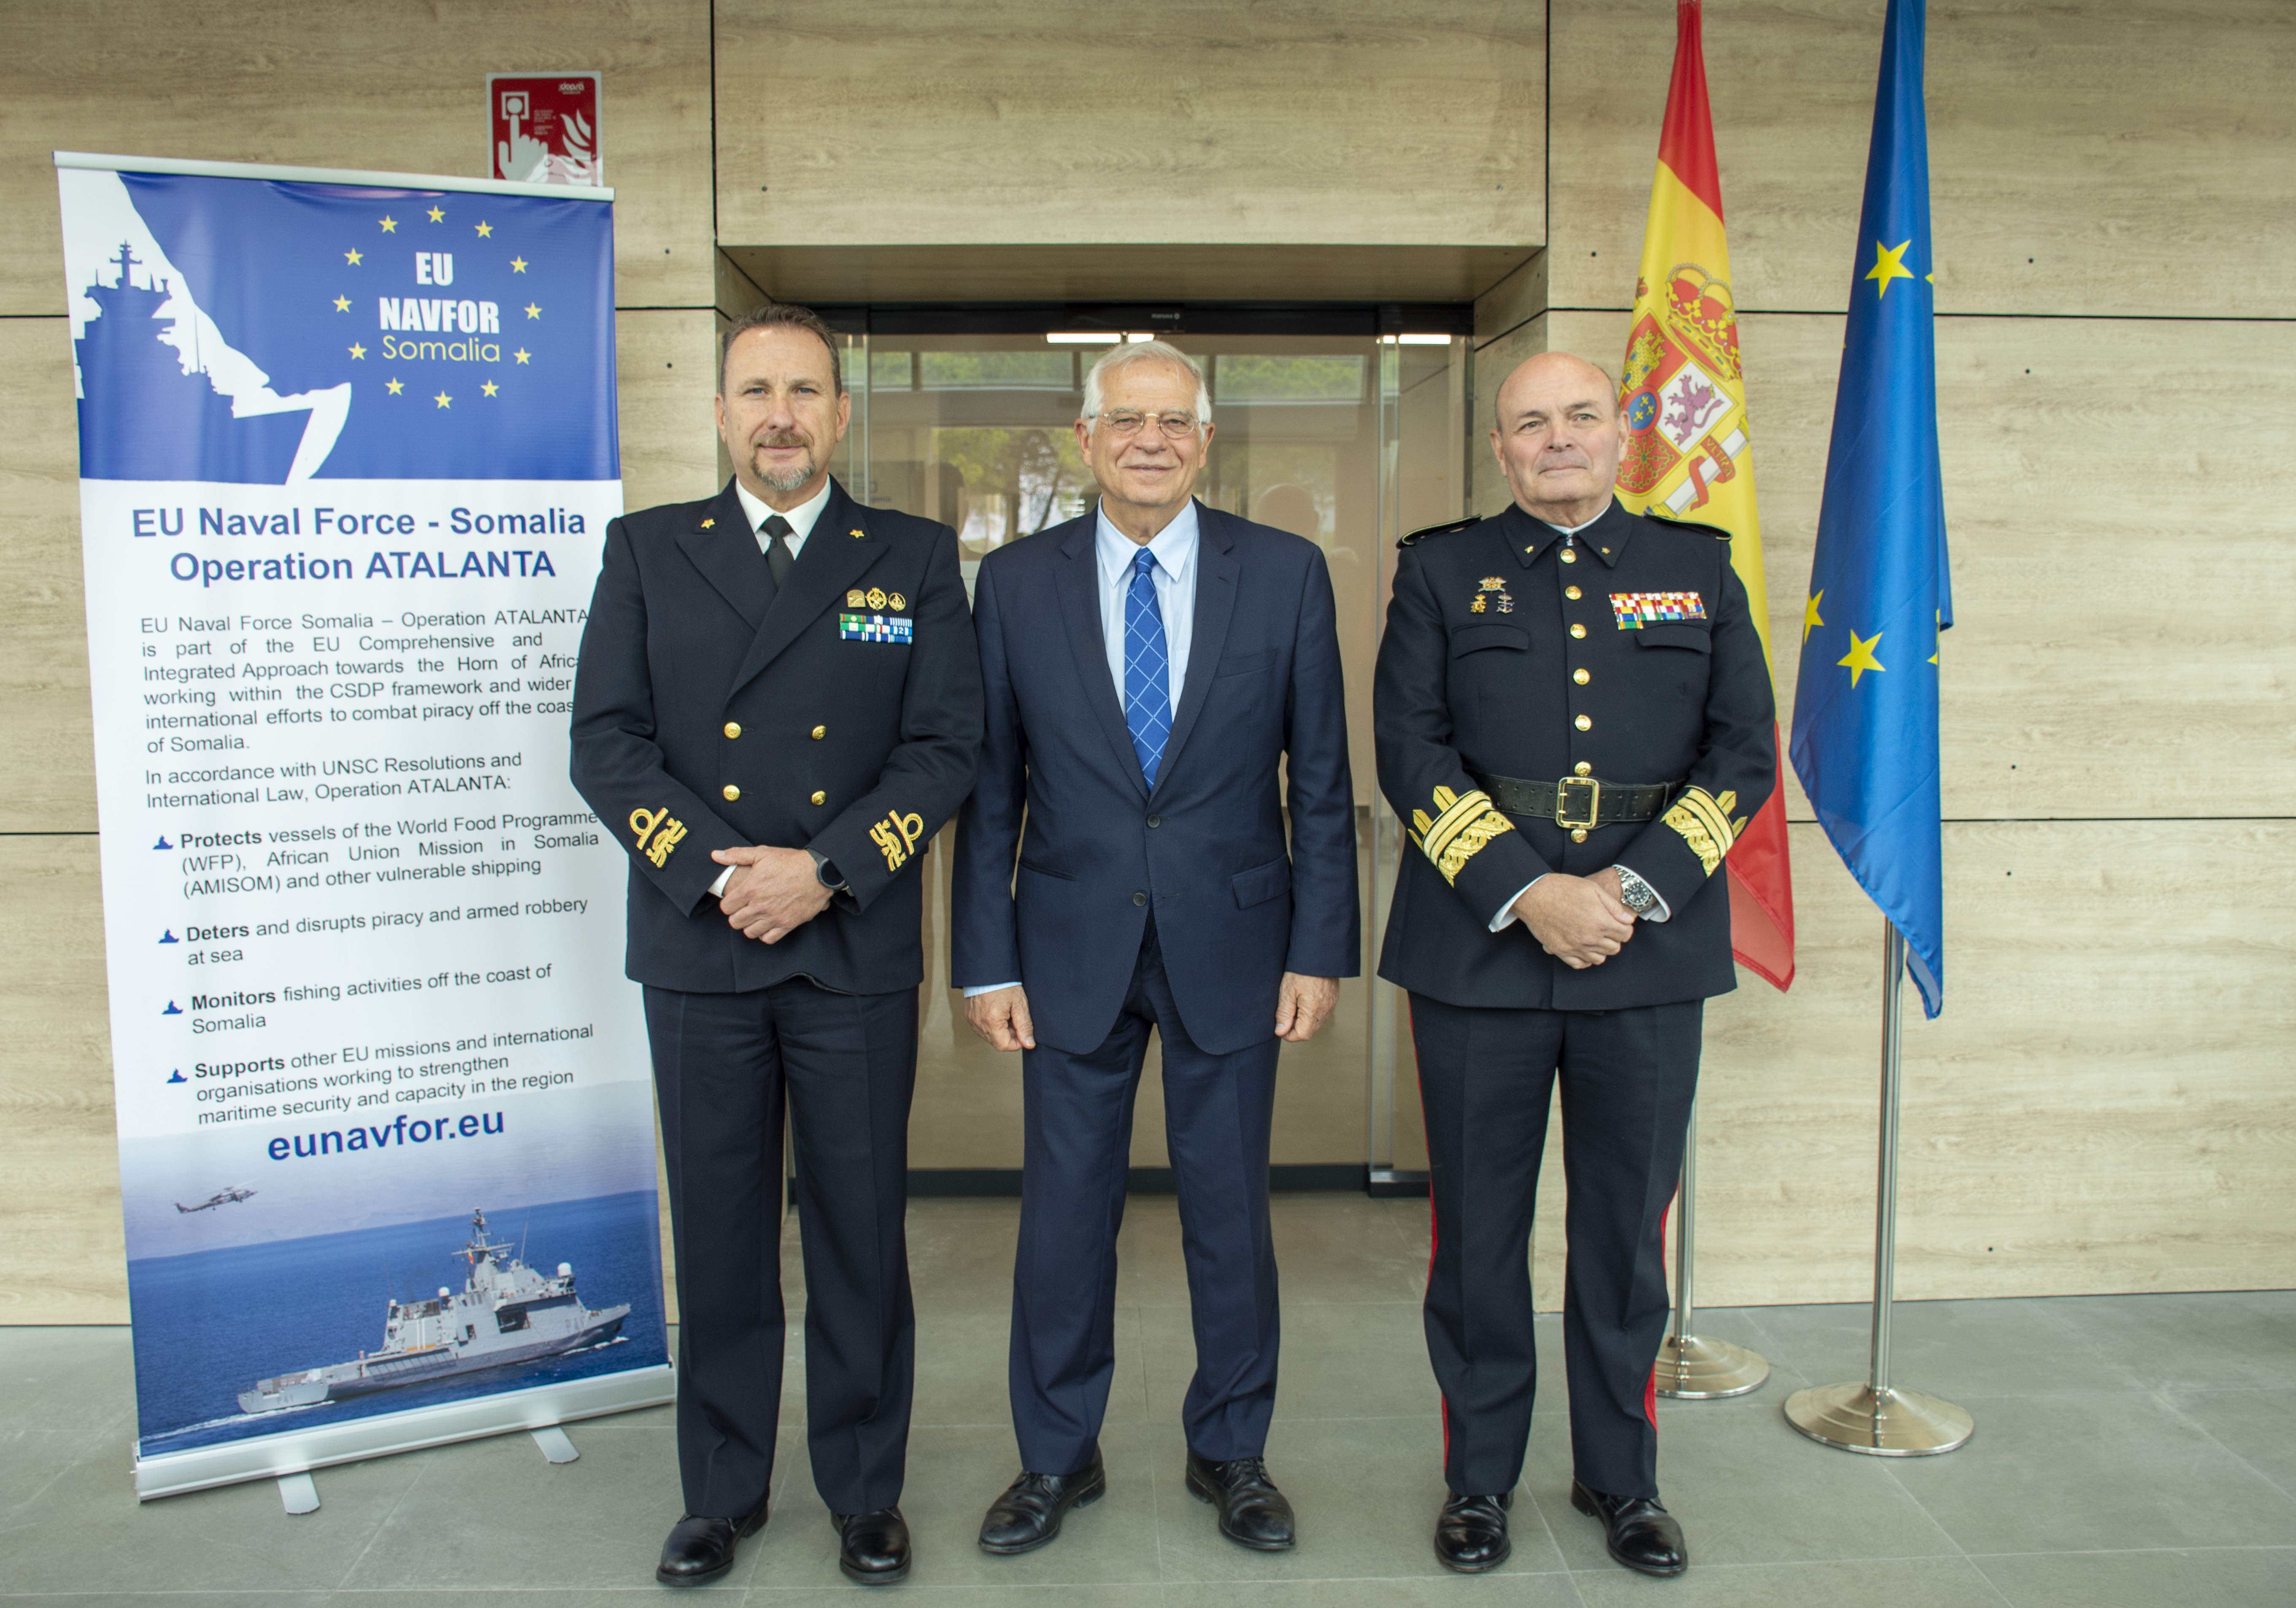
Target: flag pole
[(1692, 1368), (1877, 1417)]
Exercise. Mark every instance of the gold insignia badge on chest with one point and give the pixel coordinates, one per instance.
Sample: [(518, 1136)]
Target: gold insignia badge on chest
[(1492, 595)]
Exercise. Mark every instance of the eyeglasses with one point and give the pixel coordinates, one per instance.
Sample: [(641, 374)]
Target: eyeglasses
[(1127, 422)]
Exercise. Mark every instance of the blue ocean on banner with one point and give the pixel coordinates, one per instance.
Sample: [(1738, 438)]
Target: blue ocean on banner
[(319, 331), (212, 1324)]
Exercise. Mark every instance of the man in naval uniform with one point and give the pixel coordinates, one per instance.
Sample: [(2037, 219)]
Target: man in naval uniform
[(778, 705), (1574, 717)]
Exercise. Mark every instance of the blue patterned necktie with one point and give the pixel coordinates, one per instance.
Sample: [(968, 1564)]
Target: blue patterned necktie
[(1147, 667)]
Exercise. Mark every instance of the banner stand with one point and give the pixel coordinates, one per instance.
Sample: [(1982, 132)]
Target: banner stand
[(1692, 1368), (1876, 1417), (298, 1452)]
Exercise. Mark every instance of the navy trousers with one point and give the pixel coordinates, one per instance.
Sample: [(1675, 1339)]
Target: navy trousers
[(1486, 1079), (1217, 1112), (845, 1064)]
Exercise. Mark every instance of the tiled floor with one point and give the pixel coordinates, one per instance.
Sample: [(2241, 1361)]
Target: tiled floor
[(2131, 1451)]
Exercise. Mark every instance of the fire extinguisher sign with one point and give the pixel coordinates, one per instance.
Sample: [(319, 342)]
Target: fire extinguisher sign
[(544, 128)]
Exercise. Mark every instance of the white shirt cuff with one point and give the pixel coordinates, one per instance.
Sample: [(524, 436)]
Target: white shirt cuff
[(717, 888), (990, 987), (1507, 916)]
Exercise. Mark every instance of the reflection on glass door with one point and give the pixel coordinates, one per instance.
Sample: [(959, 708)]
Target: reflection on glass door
[(1346, 440)]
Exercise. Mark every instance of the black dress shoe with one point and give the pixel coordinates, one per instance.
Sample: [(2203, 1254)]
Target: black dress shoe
[(1029, 1513), (701, 1548), (1470, 1533), (1642, 1534), (875, 1551), (1252, 1513)]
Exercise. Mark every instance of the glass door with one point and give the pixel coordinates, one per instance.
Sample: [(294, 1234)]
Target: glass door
[(1349, 441)]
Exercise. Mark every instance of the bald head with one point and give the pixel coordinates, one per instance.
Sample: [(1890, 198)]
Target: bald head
[(1558, 436)]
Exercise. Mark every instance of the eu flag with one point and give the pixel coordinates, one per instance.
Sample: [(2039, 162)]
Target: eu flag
[(1866, 702)]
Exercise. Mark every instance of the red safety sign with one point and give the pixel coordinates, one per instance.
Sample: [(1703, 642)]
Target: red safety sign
[(544, 127)]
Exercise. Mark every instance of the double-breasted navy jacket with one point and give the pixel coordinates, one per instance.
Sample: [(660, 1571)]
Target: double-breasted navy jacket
[(840, 713)]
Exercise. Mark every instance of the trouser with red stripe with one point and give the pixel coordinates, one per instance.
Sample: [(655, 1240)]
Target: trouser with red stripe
[(1487, 1077)]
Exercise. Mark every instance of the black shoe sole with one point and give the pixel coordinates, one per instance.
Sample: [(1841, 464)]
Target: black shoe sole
[(1484, 1568), (703, 1578), (1085, 1497), (1204, 1493), (874, 1576), (1579, 1500)]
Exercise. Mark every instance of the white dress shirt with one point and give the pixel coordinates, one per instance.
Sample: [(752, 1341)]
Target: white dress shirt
[(802, 518), (1656, 913), (1175, 580)]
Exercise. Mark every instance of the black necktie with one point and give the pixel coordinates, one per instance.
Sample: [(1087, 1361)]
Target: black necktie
[(778, 556)]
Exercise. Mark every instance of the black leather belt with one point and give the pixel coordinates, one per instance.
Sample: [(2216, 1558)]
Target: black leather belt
[(1578, 801)]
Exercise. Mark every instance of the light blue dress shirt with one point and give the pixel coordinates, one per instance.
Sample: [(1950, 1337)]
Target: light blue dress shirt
[(1175, 547)]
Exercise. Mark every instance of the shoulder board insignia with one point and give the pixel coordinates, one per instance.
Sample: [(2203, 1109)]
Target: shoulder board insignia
[(1716, 531), (1418, 537)]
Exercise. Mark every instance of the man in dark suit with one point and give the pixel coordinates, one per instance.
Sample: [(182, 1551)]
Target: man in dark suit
[(778, 705), (1147, 667), (1574, 714)]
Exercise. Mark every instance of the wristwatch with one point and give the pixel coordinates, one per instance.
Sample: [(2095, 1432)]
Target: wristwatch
[(825, 874), (1635, 894)]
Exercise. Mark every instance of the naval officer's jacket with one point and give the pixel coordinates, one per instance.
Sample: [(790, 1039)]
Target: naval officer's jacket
[(841, 714), (1627, 655)]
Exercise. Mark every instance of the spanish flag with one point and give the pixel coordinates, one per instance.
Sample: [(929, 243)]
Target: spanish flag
[(1687, 452)]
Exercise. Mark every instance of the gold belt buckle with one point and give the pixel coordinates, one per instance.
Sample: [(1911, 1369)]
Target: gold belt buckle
[(1562, 815)]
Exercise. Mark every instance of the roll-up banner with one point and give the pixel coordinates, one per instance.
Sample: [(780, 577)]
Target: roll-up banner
[(348, 450)]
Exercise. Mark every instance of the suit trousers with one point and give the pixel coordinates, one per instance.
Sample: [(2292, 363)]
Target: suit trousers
[(846, 1065), (1486, 1079), (1078, 1113)]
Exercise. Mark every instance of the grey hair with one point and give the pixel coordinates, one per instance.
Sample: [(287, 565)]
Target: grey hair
[(1143, 351)]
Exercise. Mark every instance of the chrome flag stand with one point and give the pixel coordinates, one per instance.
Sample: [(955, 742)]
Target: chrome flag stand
[(1692, 1368), (1876, 1417)]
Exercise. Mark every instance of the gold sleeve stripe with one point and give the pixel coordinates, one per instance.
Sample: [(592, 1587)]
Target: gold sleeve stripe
[(1470, 842), (1458, 811), (1704, 824)]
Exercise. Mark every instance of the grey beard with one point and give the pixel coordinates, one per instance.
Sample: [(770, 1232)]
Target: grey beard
[(790, 482)]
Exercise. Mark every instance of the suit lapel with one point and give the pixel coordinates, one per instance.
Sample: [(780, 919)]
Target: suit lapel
[(1077, 580), (837, 552), (724, 549), (1216, 577)]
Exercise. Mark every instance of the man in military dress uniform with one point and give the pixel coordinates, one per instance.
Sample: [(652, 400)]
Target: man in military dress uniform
[(778, 705), (1574, 717)]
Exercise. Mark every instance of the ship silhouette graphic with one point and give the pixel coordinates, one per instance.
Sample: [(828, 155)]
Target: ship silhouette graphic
[(505, 1313)]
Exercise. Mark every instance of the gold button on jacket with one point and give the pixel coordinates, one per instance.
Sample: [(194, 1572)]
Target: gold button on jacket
[(732, 792), (821, 798), (819, 732), (732, 728)]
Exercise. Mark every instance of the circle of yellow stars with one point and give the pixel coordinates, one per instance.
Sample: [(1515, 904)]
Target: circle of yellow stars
[(485, 231)]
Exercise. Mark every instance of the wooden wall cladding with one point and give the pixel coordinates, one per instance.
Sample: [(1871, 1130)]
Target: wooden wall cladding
[(2085, 159), (667, 364), (395, 87), (1349, 122), (47, 768), (63, 1257), (2104, 1106)]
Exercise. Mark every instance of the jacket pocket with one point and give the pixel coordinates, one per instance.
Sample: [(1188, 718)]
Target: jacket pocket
[(1473, 639), (1696, 638), (1261, 883), (1243, 664), (1037, 870)]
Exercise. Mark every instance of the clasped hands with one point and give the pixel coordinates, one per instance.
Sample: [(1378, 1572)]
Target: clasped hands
[(772, 893), (1579, 919), (1303, 1005)]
